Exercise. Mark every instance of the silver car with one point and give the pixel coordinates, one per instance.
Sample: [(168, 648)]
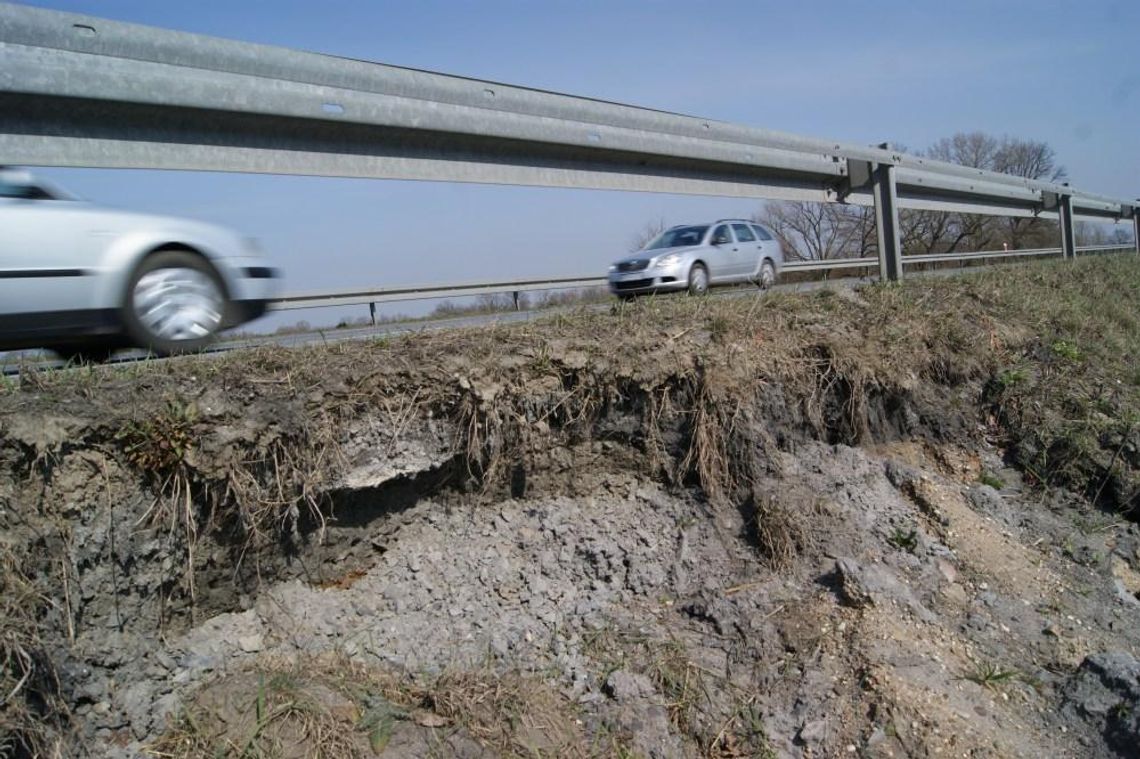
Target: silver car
[(694, 257), (84, 280)]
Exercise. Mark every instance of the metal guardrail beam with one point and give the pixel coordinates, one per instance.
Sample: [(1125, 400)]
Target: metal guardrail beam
[(83, 91), (396, 294), (427, 292)]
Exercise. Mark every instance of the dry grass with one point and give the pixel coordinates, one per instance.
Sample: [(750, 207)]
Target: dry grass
[(711, 382), (239, 448), (33, 714), (778, 531), (332, 708), (689, 693)]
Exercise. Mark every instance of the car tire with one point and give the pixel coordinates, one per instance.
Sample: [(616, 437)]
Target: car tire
[(175, 303), (698, 280), (767, 275)]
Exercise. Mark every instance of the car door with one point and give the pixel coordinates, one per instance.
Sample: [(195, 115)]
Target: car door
[(722, 249), (47, 258), (771, 245), (750, 251)]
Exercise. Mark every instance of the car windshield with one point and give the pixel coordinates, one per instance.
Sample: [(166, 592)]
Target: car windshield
[(20, 184), (678, 237)]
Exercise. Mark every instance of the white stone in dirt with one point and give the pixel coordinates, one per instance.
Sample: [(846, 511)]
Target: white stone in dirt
[(251, 644), (813, 731)]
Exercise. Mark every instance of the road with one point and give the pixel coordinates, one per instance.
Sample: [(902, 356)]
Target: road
[(10, 363)]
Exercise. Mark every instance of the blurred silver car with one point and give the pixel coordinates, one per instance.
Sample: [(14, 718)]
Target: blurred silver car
[(84, 280), (695, 257)]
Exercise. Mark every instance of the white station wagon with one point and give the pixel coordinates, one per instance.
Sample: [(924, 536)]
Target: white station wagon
[(694, 257)]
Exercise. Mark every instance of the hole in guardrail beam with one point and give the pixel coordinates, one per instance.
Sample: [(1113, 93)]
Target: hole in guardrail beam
[(488, 93), (84, 29), (332, 108)]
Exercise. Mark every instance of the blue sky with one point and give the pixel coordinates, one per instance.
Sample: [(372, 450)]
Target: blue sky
[(1067, 73)]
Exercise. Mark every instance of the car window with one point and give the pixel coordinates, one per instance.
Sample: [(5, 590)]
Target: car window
[(17, 184), (743, 233), (721, 235), (762, 233), (678, 237)]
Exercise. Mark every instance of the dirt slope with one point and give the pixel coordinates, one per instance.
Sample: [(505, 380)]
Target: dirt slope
[(897, 522)]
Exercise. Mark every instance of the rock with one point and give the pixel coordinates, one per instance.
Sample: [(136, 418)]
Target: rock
[(947, 570), (985, 499), (1126, 598), (1105, 693), (900, 475), (956, 593), (862, 586), (852, 585), (624, 686), (813, 731), (251, 643)]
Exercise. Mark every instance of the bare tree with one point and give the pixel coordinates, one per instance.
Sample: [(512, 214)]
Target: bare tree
[(818, 231), (931, 232), (1089, 233), (647, 234), (1032, 160)]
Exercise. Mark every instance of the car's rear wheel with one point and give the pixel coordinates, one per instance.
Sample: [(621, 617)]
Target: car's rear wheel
[(767, 276), (698, 280), (175, 303)]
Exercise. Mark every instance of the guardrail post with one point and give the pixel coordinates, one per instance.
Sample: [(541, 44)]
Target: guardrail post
[(1136, 228), (887, 221), (515, 296), (1065, 214), (372, 313)]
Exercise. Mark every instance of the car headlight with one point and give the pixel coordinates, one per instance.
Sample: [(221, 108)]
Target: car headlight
[(670, 260), (613, 267)]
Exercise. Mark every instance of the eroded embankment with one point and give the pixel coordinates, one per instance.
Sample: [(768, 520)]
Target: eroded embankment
[(642, 531)]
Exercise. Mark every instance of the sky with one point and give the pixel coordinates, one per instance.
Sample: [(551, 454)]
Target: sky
[(908, 72)]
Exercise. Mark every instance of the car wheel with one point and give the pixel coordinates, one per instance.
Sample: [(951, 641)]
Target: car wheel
[(767, 276), (175, 303), (698, 280)]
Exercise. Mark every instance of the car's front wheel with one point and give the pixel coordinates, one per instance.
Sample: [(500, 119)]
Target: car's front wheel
[(175, 303), (698, 280)]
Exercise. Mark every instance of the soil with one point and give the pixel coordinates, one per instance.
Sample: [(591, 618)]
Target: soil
[(669, 542)]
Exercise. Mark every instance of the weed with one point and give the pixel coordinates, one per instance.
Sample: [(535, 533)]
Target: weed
[(1011, 378), (992, 676), (1121, 711), (1066, 350), (157, 446), (905, 540), (991, 479)]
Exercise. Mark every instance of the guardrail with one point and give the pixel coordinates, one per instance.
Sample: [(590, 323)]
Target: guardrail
[(516, 287), (79, 90)]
